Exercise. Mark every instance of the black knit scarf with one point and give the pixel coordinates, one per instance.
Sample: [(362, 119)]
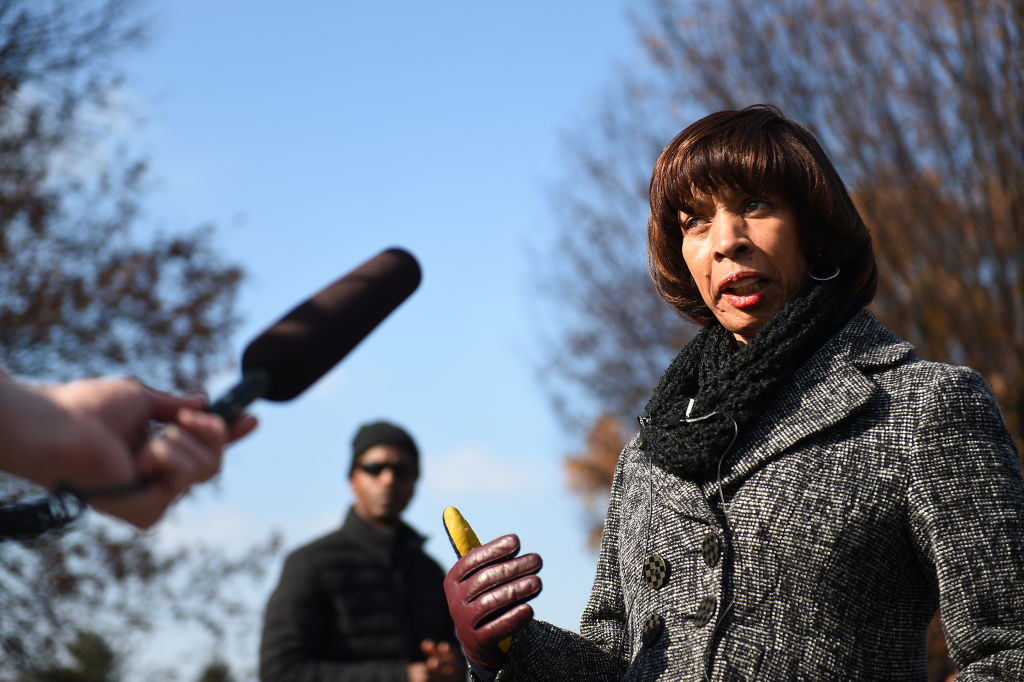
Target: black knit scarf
[(733, 381)]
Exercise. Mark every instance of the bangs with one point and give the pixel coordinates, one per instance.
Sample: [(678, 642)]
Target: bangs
[(751, 161)]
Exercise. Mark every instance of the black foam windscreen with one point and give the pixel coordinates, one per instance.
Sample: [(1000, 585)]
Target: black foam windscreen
[(313, 337)]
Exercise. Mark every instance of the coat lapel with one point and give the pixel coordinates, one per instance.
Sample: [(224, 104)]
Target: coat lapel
[(830, 386)]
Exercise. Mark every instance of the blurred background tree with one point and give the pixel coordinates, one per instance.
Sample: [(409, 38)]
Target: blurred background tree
[(216, 671), (82, 293), (920, 105), (92, 661)]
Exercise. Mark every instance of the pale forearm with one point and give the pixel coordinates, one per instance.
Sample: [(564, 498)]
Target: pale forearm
[(32, 427)]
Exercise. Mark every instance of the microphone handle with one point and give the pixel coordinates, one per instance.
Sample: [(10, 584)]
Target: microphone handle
[(254, 384)]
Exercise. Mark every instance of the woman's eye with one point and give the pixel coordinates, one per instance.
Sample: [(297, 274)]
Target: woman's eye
[(754, 205), (693, 223)]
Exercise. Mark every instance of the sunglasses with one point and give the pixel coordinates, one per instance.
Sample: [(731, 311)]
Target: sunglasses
[(402, 472)]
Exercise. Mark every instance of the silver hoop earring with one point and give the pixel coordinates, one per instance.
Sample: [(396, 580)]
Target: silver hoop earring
[(810, 273)]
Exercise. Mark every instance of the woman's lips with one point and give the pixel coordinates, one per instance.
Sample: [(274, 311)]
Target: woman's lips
[(744, 291)]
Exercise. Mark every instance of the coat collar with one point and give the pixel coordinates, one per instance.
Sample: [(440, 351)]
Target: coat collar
[(832, 384), (384, 542)]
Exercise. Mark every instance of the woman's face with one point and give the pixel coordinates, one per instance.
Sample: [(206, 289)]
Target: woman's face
[(744, 254)]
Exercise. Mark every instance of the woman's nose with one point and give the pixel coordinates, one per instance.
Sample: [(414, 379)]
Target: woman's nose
[(729, 235)]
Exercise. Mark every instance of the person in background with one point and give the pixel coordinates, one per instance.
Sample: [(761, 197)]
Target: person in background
[(94, 434), (803, 490), (364, 602)]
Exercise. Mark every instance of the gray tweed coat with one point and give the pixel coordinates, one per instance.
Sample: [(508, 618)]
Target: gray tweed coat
[(876, 487)]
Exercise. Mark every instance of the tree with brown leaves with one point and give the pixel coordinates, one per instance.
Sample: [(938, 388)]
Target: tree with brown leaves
[(81, 293)]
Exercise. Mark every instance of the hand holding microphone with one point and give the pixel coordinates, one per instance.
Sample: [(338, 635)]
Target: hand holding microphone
[(294, 352), (87, 440), (100, 430)]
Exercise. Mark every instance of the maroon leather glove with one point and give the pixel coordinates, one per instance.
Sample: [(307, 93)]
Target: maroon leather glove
[(487, 592)]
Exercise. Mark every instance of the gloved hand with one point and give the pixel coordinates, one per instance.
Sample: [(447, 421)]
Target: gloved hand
[(487, 592)]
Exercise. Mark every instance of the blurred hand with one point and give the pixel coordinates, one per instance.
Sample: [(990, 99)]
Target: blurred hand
[(103, 440), (487, 591), (417, 672), (443, 664)]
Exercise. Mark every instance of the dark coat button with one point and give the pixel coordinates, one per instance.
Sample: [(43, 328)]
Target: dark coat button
[(655, 571), (711, 548), (652, 629), (705, 610)]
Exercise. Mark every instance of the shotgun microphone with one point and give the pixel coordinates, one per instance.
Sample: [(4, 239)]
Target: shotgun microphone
[(279, 364), (294, 352)]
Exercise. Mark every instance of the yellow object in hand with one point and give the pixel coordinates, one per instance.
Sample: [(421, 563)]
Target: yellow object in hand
[(463, 539), (460, 533)]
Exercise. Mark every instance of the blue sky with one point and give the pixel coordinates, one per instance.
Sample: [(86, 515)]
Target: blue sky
[(314, 135)]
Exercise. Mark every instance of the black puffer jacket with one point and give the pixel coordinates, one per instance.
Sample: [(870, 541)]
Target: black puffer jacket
[(354, 605)]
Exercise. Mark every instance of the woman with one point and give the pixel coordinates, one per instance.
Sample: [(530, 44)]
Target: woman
[(803, 491)]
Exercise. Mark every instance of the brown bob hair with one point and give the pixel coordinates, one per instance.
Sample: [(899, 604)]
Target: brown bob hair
[(759, 151)]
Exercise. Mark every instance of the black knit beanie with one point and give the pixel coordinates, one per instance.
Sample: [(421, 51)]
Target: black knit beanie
[(382, 433)]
